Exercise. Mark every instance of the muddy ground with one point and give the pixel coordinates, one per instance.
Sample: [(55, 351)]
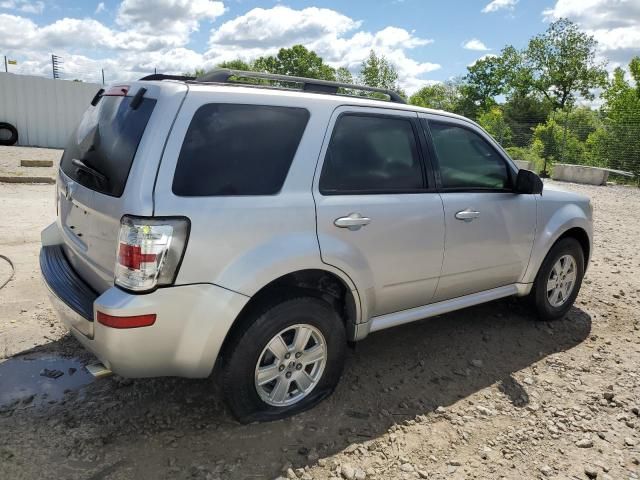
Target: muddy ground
[(483, 393)]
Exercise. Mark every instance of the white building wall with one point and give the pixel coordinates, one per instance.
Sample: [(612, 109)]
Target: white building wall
[(45, 111)]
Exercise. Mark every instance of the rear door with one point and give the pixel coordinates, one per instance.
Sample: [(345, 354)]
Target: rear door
[(379, 219), (108, 169), (490, 229)]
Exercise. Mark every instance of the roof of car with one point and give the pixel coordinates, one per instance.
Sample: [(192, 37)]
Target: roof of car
[(334, 99), (313, 89)]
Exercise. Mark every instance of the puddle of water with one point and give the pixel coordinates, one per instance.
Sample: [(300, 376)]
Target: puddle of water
[(32, 379)]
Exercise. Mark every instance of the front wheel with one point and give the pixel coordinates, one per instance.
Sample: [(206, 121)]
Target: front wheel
[(288, 358), (559, 279)]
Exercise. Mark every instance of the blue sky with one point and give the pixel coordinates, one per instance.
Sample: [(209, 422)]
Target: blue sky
[(427, 40)]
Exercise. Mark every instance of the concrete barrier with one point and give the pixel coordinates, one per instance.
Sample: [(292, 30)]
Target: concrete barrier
[(580, 174), (523, 164)]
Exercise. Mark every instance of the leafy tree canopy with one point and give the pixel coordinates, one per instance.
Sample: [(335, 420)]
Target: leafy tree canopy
[(441, 96), (377, 71), (296, 61)]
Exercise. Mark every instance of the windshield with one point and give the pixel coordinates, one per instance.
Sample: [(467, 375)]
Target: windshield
[(101, 150)]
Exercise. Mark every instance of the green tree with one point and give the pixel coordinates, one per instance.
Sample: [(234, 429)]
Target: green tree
[(376, 71), (441, 96), (493, 121), (198, 72), (618, 144), (485, 80), (582, 122), (296, 61), (559, 64), (559, 144), (236, 64), (343, 75), (523, 112)]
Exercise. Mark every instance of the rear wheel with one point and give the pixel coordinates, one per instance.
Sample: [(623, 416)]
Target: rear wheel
[(289, 358), (559, 279)]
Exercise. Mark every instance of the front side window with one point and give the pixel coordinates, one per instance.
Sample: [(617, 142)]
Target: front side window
[(466, 160), (232, 149), (371, 154)]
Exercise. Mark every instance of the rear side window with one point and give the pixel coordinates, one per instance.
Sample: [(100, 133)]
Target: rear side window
[(371, 154), (238, 150), (466, 160), (106, 142)]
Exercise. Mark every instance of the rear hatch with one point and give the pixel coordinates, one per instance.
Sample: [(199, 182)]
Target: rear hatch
[(108, 169)]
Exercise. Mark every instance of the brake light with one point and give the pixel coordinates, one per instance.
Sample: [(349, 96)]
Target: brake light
[(131, 256), (149, 251), (116, 91), (135, 321)]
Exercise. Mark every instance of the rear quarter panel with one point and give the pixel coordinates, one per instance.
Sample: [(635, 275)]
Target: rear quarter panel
[(244, 242)]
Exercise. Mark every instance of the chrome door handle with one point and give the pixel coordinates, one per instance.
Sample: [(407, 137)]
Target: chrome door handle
[(354, 221), (467, 215)]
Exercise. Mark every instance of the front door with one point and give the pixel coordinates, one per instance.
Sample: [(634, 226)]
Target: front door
[(379, 219), (489, 228)]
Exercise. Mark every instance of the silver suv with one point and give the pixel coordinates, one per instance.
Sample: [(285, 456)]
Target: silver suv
[(261, 223)]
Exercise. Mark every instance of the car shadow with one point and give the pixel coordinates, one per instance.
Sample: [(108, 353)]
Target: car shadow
[(179, 428)]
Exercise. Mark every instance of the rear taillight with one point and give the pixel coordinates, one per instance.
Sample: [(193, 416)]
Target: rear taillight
[(149, 251)]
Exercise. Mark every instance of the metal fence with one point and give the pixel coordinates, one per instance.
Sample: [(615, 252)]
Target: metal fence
[(44, 111), (577, 136)]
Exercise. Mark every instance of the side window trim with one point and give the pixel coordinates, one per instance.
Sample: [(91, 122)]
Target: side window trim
[(426, 122), (428, 181)]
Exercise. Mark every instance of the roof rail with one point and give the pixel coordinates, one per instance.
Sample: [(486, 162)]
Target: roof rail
[(223, 75), (162, 76)]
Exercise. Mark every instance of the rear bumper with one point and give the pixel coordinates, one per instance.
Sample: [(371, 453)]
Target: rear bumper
[(67, 290), (192, 322)]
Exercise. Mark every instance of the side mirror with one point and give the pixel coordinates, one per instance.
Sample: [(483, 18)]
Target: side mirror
[(528, 182)]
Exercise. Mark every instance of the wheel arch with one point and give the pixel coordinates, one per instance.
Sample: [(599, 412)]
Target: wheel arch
[(315, 282), (568, 221), (583, 239)]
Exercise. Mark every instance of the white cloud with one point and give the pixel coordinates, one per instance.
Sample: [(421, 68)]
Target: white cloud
[(332, 35), (280, 26), (170, 22), (496, 5), (615, 24), (32, 7), (100, 8), (24, 6), (475, 44), (488, 55), (155, 34)]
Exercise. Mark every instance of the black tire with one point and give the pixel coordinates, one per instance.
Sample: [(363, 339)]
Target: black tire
[(544, 309), (246, 346), (13, 134)]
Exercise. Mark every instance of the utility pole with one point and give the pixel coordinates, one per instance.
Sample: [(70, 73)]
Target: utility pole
[(103, 76), (6, 68), (55, 66)]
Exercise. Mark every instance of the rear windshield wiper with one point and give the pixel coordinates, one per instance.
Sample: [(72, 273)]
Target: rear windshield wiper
[(87, 169)]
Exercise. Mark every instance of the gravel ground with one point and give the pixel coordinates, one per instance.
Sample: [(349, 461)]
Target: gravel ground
[(10, 161), (483, 393)]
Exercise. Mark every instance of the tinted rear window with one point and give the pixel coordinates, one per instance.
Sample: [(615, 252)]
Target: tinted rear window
[(238, 150), (371, 154), (106, 141)]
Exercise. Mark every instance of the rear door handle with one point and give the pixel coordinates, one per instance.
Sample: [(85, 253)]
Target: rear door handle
[(354, 221), (467, 215)]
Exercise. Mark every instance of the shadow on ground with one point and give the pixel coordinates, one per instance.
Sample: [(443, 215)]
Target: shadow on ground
[(176, 428)]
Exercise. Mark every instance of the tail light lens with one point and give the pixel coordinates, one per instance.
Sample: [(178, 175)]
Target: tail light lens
[(150, 250)]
